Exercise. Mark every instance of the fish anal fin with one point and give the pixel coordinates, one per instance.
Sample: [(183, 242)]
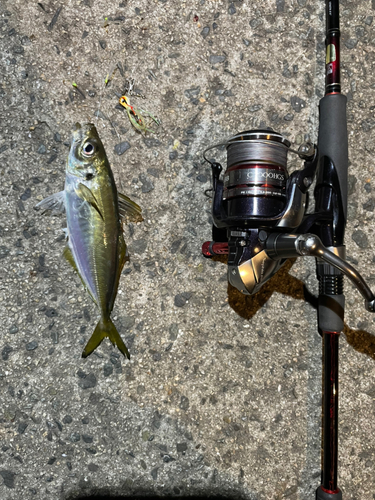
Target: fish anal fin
[(68, 255), (123, 257), (86, 194), (123, 254)]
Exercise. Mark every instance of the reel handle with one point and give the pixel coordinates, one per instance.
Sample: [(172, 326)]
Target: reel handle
[(283, 246)]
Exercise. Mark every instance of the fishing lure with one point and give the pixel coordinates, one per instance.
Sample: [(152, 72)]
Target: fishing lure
[(137, 116)]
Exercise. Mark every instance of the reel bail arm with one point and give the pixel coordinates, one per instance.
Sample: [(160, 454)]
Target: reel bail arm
[(284, 246)]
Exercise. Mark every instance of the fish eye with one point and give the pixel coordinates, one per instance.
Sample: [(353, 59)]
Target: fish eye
[(88, 149)]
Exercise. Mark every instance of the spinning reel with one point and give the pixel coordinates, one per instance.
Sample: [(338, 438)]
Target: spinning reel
[(257, 205)]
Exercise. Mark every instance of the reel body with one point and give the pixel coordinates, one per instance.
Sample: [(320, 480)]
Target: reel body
[(256, 196), (258, 211)]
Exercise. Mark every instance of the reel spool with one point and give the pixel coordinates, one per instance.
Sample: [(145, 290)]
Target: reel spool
[(256, 175), (254, 188)]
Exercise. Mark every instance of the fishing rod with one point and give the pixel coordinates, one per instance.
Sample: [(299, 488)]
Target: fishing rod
[(260, 221)]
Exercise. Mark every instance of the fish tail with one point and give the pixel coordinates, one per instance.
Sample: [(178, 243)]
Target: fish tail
[(105, 328)]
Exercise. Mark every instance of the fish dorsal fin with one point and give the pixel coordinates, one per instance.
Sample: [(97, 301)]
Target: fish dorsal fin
[(86, 194), (128, 209), (54, 203)]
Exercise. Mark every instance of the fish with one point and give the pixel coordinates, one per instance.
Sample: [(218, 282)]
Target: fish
[(95, 211)]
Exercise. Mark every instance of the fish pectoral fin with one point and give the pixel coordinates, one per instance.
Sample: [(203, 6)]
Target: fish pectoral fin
[(128, 209), (105, 328), (67, 254), (54, 204), (86, 194)]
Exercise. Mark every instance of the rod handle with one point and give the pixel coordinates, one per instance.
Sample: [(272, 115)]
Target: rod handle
[(333, 139)]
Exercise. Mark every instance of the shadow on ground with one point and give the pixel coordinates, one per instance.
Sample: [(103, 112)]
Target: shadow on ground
[(361, 341), (101, 497), (168, 492), (153, 497), (248, 305)]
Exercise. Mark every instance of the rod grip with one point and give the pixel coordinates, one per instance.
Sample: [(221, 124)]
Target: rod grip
[(333, 139), (321, 494), (331, 313)]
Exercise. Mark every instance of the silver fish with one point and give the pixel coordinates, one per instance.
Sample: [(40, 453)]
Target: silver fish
[(94, 212)]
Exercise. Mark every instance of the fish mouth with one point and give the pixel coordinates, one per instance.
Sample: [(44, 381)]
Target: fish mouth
[(77, 126)]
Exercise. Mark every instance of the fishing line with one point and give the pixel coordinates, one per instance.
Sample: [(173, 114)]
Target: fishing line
[(256, 150), (260, 151)]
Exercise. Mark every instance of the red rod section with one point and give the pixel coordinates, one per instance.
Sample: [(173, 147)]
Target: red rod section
[(333, 85), (330, 410)]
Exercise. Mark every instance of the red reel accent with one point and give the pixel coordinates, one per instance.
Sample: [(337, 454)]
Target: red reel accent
[(210, 248)]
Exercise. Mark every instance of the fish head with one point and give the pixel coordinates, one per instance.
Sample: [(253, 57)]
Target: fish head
[(87, 156)]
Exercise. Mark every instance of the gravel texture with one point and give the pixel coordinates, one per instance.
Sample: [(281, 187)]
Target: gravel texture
[(222, 395)]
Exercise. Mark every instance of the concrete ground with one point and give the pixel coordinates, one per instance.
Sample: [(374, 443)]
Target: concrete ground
[(222, 395)]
